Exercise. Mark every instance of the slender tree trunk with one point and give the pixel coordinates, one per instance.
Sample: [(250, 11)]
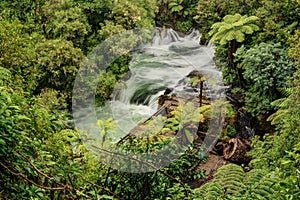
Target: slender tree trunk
[(231, 51), (200, 94), (234, 69)]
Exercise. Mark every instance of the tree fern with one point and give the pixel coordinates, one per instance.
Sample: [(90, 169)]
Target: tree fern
[(215, 191), (233, 27)]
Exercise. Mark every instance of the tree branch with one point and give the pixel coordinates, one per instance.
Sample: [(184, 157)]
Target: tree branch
[(30, 181), (51, 178)]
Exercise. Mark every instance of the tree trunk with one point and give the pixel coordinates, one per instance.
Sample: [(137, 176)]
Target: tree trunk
[(201, 92), (232, 50)]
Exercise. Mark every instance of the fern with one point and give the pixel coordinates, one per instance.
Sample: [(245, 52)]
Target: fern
[(185, 114), (5, 76), (215, 191), (283, 103), (286, 91), (209, 191), (231, 182), (276, 118), (254, 176), (230, 177), (205, 108), (267, 188), (233, 27)]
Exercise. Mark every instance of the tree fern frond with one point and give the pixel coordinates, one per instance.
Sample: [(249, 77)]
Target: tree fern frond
[(259, 196), (239, 36), (225, 27), (268, 190), (231, 35), (215, 27), (251, 19), (232, 18), (223, 41), (214, 191), (247, 29), (230, 168), (253, 26), (280, 102), (236, 184), (209, 191), (205, 108)]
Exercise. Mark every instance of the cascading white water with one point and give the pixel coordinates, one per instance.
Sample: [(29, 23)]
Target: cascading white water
[(165, 63)]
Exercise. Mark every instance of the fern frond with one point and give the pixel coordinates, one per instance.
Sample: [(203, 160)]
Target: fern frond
[(282, 102), (247, 29), (230, 177), (254, 176), (232, 18), (251, 19), (209, 191), (286, 91), (204, 108), (267, 187), (239, 36), (276, 118)]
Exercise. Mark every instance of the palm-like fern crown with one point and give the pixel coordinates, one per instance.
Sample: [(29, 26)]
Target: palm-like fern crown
[(233, 27)]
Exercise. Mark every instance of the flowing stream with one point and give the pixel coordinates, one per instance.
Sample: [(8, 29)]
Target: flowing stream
[(164, 63)]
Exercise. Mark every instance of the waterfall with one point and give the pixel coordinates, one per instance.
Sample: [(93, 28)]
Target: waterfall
[(164, 63)]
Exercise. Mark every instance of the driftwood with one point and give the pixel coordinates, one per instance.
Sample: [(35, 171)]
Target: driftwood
[(235, 150)]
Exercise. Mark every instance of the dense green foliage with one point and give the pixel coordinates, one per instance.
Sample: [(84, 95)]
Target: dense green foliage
[(42, 45), (267, 68), (280, 152), (177, 14)]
